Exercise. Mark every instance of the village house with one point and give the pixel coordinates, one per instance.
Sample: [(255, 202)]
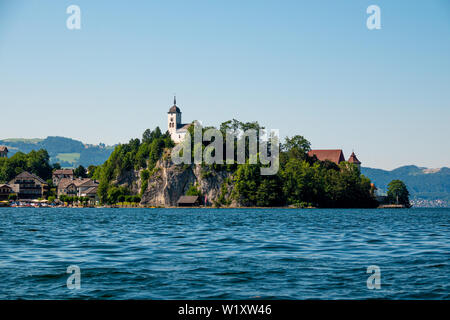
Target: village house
[(66, 187), (5, 191), (85, 186), (334, 155), (59, 174), (91, 193), (28, 186), (75, 187), (3, 152)]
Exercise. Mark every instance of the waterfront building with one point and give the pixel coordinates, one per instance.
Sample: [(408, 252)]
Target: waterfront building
[(28, 186), (86, 187), (75, 187), (188, 201), (5, 191), (91, 193)]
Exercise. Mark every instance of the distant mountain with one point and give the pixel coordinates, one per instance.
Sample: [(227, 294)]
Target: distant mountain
[(68, 152), (429, 187)]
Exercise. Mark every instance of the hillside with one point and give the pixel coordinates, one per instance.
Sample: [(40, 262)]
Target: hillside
[(428, 187), (146, 169), (68, 152)]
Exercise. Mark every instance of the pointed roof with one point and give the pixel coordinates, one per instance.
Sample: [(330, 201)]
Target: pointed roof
[(27, 175), (174, 108), (353, 159), (3, 149), (333, 155), (66, 182)]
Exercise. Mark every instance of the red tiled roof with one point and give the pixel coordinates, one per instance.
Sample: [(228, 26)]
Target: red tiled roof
[(334, 155), (3, 148), (353, 159)]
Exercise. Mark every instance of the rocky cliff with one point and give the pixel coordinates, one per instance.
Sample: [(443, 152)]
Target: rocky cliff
[(169, 182)]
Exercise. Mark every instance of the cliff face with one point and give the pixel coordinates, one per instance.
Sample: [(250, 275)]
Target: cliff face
[(169, 182)]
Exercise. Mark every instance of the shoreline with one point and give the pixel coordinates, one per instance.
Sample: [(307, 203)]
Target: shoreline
[(199, 207)]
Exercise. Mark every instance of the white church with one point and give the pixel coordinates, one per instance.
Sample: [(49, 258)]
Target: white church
[(176, 129)]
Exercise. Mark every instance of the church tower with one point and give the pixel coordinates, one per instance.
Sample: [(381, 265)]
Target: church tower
[(173, 117)]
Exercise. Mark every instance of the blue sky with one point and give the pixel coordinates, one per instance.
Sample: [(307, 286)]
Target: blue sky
[(304, 67)]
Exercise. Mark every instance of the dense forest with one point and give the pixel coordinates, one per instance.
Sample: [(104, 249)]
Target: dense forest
[(301, 181)]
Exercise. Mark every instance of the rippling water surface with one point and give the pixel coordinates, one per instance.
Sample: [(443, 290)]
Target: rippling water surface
[(224, 253)]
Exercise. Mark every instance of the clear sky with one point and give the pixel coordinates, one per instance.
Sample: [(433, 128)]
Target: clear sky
[(304, 67)]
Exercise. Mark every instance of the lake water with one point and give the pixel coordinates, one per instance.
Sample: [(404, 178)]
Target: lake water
[(224, 253)]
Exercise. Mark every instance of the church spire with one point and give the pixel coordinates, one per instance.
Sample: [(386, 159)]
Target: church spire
[(174, 100)]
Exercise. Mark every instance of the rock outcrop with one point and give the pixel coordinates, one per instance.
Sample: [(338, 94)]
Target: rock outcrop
[(169, 182)]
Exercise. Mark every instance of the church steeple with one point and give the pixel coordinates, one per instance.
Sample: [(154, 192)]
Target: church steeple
[(174, 117)]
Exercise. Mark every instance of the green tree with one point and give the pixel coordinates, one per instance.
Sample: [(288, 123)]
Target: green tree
[(80, 172), (398, 193), (147, 136), (193, 191), (270, 193), (296, 147), (91, 171)]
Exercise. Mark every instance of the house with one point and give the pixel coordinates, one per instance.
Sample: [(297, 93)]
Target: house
[(334, 155), (3, 152), (91, 193), (66, 187), (188, 201), (177, 130), (75, 187), (28, 186), (59, 174), (5, 191), (86, 185)]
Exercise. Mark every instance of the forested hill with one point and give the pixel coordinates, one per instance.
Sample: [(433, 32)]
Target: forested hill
[(65, 151), (422, 183)]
